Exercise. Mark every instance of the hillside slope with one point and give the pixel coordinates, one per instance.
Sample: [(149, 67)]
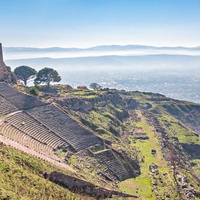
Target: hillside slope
[(22, 177), (142, 144), (158, 132)]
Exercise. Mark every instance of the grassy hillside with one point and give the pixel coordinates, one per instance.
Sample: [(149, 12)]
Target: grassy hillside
[(168, 125), (158, 133), (21, 177)]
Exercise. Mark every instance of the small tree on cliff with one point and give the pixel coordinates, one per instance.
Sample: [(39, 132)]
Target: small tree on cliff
[(25, 73), (47, 75), (95, 86)]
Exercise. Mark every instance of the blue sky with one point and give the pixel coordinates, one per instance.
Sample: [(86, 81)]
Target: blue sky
[(84, 23)]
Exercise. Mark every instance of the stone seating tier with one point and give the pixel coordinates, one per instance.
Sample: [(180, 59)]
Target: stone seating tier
[(75, 134), (45, 122), (20, 100), (113, 164), (28, 125), (6, 107)]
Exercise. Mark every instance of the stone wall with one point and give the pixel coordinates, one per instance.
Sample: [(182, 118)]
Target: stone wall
[(2, 64), (5, 71)]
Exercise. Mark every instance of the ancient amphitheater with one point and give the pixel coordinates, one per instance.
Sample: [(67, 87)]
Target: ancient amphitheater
[(40, 126), (45, 128)]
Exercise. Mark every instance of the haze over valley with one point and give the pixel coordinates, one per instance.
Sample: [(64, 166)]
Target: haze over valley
[(172, 71)]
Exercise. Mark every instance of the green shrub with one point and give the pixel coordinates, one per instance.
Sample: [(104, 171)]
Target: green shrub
[(34, 91)]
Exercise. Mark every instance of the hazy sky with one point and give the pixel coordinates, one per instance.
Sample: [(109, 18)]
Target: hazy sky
[(83, 23)]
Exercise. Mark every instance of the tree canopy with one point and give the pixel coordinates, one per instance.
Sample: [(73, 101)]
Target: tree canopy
[(95, 86), (25, 73), (47, 75)]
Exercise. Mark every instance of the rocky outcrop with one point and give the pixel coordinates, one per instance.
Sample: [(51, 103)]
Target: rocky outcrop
[(193, 150), (82, 187), (132, 103), (75, 104), (87, 104), (5, 71)]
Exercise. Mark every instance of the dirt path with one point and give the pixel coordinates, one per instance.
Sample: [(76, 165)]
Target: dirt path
[(16, 145), (152, 139)]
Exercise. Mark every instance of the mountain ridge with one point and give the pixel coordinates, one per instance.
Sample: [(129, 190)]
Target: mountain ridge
[(156, 61), (102, 47)]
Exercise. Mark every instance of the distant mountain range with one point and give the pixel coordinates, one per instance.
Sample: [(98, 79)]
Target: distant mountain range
[(98, 48), (105, 57), (172, 71), (142, 62)]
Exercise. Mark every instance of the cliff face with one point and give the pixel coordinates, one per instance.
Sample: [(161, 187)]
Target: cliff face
[(5, 71), (83, 187), (121, 106)]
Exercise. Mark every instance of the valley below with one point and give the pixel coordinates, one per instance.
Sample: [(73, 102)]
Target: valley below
[(172, 71)]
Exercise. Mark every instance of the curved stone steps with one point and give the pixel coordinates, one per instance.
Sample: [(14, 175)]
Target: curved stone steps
[(113, 163)]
